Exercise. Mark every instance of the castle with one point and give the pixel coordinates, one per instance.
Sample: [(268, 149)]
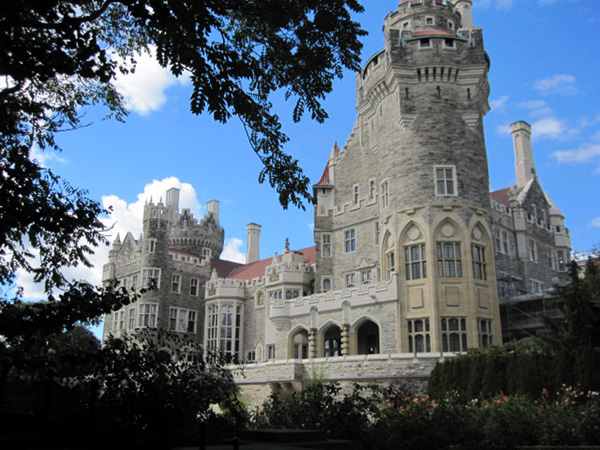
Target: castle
[(412, 251)]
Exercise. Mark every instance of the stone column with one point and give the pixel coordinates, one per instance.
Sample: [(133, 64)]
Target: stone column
[(345, 339), (312, 343)]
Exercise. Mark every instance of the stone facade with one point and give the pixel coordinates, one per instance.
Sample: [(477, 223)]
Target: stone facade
[(411, 250)]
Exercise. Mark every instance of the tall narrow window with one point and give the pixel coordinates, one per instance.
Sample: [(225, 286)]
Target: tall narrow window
[(532, 250), (350, 279), (445, 180), (355, 194), (385, 195), (391, 263), (350, 239), (131, 322), (223, 329), (505, 246), (194, 284), (449, 260), (326, 284), (377, 233), (485, 333), (419, 337), (371, 189), (479, 262), (454, 334), (151, 245), (176, 283), (416, 262), (326, 245)]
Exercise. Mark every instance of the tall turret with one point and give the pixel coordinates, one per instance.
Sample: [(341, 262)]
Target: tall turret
[(411, 188), (524, 164)]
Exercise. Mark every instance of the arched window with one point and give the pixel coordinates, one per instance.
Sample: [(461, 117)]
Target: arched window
[(332, 342), (367, 338), (300, 345)]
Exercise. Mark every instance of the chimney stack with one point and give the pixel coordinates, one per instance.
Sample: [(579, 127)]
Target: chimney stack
[(253, 244), (212, 209), (524, 165)]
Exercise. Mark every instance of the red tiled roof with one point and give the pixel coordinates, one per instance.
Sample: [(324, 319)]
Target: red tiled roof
[(433, 33), (257, 269), (223, 267), (324, 181), (501, 196)]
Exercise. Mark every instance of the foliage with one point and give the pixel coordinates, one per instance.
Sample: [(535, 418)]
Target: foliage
[(579, 304), (392, 418), (56, 57), (148, 388), (156, 383)]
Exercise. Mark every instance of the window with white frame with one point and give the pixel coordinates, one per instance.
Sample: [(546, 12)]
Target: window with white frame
[(206, 253), (326, 284), (182, 320), (350, 240), (449, 259), (224, 328), (176, 283), (479, 262), (134, 281), (355, 194), (390, 263), (151, 245), (445, 180), (326, 245), (536, 286), (454, 334), (194, 286), (505, 243), (131, 317), (560, 257), (372, 190), (497, 242), (429, 20), (350, 279), (366, 276), (385, 194), (271, 351), (425, 43), (415, 262), (532, 248), (419, 336), (151, 278), (147, 315), (485, 333)]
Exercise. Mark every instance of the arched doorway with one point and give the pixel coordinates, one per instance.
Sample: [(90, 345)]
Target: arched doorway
[(332, 341), (367, 338), (300, 345)]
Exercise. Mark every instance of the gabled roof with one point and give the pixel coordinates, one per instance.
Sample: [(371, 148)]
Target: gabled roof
[(257, 269), (501, 196), (223, 267)]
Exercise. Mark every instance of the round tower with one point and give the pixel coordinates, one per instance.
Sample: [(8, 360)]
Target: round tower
[(412, 187)]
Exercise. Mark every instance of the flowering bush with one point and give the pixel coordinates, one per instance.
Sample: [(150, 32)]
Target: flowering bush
[(392, 418)]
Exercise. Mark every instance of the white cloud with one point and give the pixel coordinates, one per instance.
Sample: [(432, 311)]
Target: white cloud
[(557, 84), (144, 89), (503, 130), (44, 156), (595, 223), (585, 153), (124, 217), (232, 252), (499, 104), (533, 104), (549, 128)]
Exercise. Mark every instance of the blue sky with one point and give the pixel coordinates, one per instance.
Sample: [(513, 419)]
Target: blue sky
[(544, 57)]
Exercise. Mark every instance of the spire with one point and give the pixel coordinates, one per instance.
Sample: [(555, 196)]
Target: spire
[(117, 240), (524, 164)]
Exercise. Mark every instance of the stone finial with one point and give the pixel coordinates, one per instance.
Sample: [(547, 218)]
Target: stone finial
[(287, 244)]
